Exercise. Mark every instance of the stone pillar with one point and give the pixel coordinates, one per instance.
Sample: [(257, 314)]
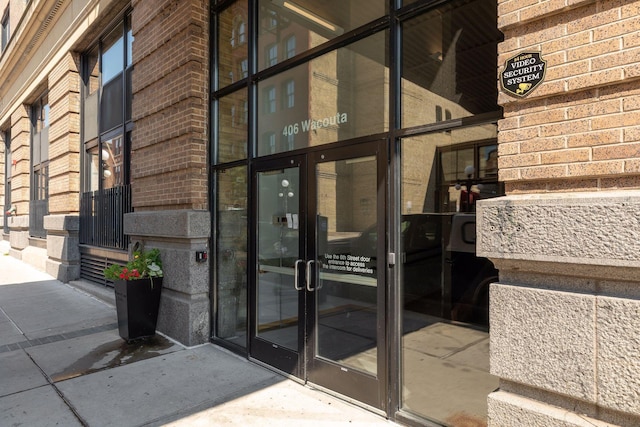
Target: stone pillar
[(565, 317), (20, 181), (63, 252), (18, 234), (185, 304)]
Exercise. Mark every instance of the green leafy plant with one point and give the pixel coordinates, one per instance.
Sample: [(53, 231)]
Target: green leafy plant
[(145, 264)]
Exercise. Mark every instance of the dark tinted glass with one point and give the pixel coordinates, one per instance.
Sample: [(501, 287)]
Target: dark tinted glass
[(233, 115), (445, 338), (449, 63), (231, 260)]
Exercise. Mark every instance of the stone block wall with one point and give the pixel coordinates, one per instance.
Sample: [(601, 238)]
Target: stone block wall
[(565, 340), (179, 234)]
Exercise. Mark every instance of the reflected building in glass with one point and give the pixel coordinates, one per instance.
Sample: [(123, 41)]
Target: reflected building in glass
[(352, 146)]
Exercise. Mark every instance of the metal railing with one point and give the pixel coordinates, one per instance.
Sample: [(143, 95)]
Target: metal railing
[(102, 217)]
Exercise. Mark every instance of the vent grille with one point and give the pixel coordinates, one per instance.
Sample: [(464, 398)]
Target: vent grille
[(92, 267)]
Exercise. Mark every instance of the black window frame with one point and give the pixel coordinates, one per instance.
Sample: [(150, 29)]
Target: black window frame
[(39, 188), (102, 205), (123, 126), (5, 29), (397, 14)]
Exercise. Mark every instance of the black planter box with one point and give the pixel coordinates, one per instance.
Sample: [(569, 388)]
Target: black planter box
[(137, 305)]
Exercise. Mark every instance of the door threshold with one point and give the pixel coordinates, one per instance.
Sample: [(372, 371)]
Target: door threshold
[(347, 399), (321, 389)]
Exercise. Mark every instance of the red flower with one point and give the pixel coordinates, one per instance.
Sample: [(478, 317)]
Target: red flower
[(122, 275)]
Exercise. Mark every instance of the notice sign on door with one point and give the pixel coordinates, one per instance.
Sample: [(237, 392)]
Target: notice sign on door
[(523, 73)]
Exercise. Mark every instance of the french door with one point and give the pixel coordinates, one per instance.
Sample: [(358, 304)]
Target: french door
[(318, 294)]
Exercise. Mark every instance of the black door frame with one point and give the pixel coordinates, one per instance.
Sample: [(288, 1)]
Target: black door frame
[(303, 365)]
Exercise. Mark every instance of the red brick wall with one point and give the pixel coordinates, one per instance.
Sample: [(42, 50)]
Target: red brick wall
[(170, 104)]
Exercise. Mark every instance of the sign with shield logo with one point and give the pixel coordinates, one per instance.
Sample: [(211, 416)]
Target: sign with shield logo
[(523, 73)]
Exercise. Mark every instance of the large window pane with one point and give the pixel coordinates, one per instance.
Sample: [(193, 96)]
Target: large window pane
[(444, 285), (449, 63), (289, 27), (232, 44), (231, 260), (113, 55), (233, 111), (340, 95)]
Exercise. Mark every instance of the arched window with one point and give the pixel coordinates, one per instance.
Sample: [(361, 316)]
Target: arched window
[(238, 32)]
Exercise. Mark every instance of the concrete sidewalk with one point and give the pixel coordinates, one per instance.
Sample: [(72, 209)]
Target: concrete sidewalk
[(63, 363)]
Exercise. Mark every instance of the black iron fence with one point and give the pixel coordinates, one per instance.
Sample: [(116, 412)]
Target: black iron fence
[(102, 217)]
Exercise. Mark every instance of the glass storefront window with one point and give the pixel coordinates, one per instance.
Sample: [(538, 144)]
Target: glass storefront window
[(233, 116), (449, 63), (231, 260), (340, 95), (445, 338), (233, 26), (289, 27)]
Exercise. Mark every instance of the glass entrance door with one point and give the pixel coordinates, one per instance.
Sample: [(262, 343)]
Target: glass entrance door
[(319, 280), (278, 290)]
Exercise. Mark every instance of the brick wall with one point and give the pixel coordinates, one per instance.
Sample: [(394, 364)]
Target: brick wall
[(564, 339), (579, 129), (20, 148), (170, 104), (64, 137)]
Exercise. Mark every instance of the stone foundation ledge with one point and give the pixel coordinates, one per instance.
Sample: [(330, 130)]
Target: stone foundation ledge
[(589, 229), (508, 409), (178, 224)]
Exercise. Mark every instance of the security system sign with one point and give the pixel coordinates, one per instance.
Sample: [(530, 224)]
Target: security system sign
[(523, 73)]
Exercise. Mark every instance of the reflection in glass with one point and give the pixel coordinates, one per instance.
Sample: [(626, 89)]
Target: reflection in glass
[(232, 51), (340, 95), (449, 63), (346, 296), (299, 25), (278, 249), (488, 161), (231, 255), (112, 160), (445, 343), (232, 127), (94, 169)]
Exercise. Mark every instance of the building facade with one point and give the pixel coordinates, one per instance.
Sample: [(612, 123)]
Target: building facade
[(564, 315), (349, 192)]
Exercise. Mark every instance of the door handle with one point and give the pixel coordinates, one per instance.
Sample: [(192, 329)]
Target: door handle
[(309, 288), (296, 275)]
